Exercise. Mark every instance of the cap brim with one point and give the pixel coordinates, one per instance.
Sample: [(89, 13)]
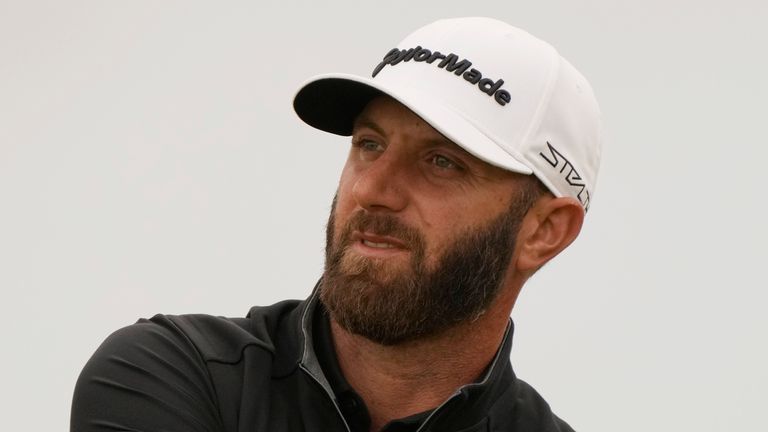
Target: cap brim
[(332, 102)]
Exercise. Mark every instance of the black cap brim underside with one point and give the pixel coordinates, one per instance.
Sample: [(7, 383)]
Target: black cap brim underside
[(332, 104)]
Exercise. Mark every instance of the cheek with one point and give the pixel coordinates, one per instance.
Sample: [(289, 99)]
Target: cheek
[(439, 225), (443, 221), (443, 216), (345, 204), (347, 181)]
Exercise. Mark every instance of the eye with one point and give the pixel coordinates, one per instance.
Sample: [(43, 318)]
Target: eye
[(443, 162), (367, 148), (369, 145)]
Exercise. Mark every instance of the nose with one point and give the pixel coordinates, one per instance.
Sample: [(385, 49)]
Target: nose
[(381, 184)]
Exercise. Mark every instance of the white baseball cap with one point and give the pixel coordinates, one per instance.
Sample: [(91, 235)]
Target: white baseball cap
[(503, 95)]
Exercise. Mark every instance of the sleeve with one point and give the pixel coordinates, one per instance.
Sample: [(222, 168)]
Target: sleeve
[(146, 377)]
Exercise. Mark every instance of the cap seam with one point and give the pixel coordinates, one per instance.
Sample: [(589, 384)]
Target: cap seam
[(543, 105)]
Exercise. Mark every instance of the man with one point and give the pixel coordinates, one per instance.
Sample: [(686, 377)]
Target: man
[(474, 153)]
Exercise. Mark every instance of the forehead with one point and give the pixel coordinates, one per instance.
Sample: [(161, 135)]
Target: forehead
[(390, 118)]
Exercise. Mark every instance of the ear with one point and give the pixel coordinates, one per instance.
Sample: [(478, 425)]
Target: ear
[(548, 228)]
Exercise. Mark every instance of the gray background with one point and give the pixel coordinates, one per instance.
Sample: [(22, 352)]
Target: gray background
[(150, 162)]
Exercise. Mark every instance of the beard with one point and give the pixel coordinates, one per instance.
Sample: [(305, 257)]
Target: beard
[(394, 302)]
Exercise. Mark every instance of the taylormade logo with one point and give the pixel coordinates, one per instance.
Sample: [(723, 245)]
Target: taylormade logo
[(450, 63)]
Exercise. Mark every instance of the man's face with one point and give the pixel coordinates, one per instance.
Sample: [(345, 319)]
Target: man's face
[(421, 232)]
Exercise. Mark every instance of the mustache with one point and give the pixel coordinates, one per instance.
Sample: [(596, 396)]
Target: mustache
[(383, 225)]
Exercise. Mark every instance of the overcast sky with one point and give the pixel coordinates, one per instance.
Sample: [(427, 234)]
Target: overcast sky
[(150, 162)]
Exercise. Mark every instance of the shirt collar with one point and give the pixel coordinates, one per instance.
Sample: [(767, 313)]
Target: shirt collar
[(464, 408)]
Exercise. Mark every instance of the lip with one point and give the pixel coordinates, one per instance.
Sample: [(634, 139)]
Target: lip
[(373, 244)]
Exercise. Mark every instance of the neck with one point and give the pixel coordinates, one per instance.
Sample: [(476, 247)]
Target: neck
[(405, 379)]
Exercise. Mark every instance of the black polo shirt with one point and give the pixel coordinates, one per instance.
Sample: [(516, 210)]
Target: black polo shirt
[(271, 371)]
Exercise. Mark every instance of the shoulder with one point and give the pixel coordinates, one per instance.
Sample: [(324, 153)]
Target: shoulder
[(148, 375), (207, 337), (210, 338), (215, 338), (157, 371)]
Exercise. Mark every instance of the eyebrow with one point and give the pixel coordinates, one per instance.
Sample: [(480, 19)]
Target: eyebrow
[(362, 121)]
